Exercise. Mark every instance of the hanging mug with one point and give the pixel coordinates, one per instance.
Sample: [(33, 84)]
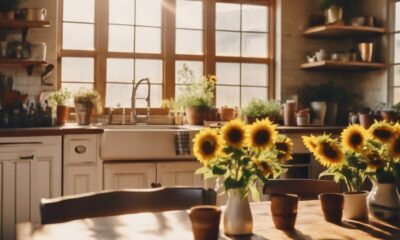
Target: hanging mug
[(34, 14)]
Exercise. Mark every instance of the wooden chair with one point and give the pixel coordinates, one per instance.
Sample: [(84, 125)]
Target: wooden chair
[(108, 203), (306, 189)]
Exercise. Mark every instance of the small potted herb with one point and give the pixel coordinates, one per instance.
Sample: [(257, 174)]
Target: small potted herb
[(58, 100), (86, 103), (259, 109)]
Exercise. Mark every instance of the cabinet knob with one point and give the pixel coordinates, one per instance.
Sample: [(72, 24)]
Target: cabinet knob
[(80, 149), (155, 185)]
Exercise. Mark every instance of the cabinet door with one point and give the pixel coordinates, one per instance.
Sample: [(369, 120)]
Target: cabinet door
[(129, 175), (79, 149), (179, 174), (80, 179)]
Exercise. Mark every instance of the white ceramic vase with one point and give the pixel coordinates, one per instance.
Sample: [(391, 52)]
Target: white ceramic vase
[(355, 205), (318, 110), (237, 216), (384, 201)]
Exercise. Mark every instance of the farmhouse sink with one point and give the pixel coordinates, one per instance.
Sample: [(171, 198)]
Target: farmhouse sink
[(142, 142)]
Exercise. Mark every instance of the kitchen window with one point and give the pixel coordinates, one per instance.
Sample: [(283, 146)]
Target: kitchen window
[(105, 44), (395, 59)]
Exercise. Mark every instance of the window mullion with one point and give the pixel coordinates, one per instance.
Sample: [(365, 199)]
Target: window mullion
[(209, 15), (101, 44), (168, 36)]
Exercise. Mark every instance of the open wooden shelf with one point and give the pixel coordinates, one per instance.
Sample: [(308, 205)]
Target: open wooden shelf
[(342, 30), (20, 62), (341, 65), (23, 24)]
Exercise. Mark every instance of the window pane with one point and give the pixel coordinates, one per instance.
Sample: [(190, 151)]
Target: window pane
[(120, 39), (397, 27), (396, 95), (119, 70), (189, 14), (148, 40), (152, 69), (228, 16), (77, 69), (118, 94), (397, 48), (228, 96), (148, 12), (74, 87), (396, 75), (254, 18), (254, 44), (85, 41), (254, 74), (78, 10), (228, 73), (122, 11), (228, 44), (195, 66), (249, 93), (189, 42)]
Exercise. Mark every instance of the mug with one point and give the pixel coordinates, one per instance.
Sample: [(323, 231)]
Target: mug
[(34, 14)]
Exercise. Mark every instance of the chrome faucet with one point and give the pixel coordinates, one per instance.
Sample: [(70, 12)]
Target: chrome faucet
[(134, 118)]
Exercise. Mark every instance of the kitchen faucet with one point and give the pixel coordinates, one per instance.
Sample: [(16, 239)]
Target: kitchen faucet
[(134, 118)]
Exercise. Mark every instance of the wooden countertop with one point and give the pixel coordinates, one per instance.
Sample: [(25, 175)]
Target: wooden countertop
[(50, 131)]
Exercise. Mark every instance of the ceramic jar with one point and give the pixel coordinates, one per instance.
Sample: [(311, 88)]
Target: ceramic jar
[(355, 205), (237, 217), (384, 201)]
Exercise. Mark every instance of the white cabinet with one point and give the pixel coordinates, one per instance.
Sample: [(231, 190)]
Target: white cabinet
[(143, 174), (129, 175), (82, 166), (30, 169)]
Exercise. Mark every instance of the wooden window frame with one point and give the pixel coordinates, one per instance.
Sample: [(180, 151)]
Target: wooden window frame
[(168, 55), (392, 64)]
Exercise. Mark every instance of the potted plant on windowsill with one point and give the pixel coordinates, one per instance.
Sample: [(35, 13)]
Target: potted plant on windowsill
[(333, 10), (196, 95), (8, 8), (241, 154), (58, 100), (259, 109), (86, 103)]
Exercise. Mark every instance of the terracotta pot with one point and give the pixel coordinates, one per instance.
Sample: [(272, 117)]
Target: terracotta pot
[(366, 120), (227, 114), (284, 210), (195, 115), (355, 205), (62, 115), (389, 116), (332, 206), (205, 222), (211, 115), (84, 113)]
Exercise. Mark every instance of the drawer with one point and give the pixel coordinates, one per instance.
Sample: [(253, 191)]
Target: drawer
[(80, 149)]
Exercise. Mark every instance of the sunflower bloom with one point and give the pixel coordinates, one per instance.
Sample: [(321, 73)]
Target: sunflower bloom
[(285, 149), (381, 131), (264, 167), (310, 142), (329, 154), (207, 145), (261, 134), (394, 147), (354, 138), (374, 161), (234, 133)]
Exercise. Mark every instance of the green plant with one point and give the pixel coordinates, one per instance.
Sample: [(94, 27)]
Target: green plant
[(9, 5), (241, 154), (88, 97), (262, 108), (325, 4), (59, 98), (196, 92)]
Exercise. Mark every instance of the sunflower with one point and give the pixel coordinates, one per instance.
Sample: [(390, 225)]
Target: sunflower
[(374, 160), (394, 146), (207, 145), (329, 153), (381, 131), (234, 133), (284, 146), (354, 138), (261, 134), (310, 142), (264, 167)]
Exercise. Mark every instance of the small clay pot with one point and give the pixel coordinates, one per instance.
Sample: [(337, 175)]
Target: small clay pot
[(195, 115), (62, 115), (205, 222), (389, 116), (332, 206), (284, 210), (227, 114), (366, 120)]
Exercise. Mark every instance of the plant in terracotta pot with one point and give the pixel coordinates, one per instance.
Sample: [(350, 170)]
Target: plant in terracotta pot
[(196, 95), (58, 100), (240, 154), (86, 101), (8, 8), (259, 109), (366, 117)]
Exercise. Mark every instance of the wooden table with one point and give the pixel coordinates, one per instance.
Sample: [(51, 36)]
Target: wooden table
[(175, 225)]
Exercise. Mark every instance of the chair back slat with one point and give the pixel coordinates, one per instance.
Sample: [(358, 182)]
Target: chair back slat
[(108, 203)]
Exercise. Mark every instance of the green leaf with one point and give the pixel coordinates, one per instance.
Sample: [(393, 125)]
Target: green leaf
[(217, 170), (255, 195), (202, 170)]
